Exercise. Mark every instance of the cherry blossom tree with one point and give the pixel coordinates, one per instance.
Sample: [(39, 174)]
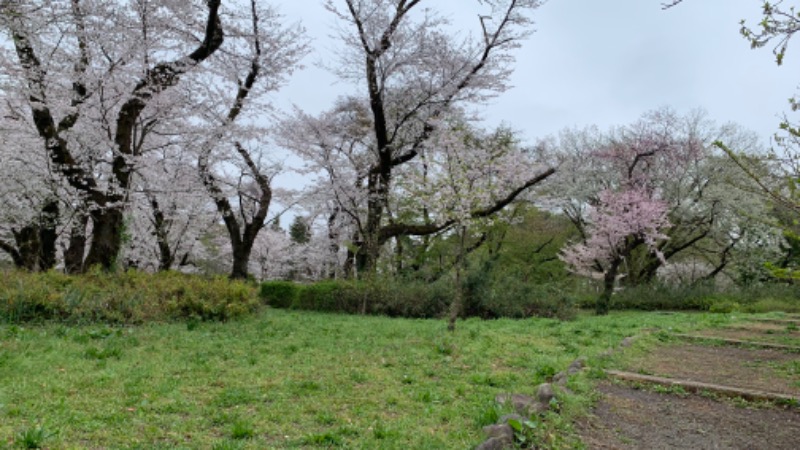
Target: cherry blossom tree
[(243, 171), (622, 221), (90, 70), (413, 72), (709, 216), (110, 88)]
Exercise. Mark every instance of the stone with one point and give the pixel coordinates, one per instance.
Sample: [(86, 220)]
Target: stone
[(496, 444), (627, 342), (523, 404), (544, 393), (501, 431), (576, 365), (560, 379)]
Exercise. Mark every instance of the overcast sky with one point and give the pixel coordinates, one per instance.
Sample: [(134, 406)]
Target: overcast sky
[(602, 62)]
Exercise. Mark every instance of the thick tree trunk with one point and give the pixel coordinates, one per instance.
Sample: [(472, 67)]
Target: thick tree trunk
[(48, 235), (609, 282), (28, 246), (241, 259), (73, 255), (107, 228)]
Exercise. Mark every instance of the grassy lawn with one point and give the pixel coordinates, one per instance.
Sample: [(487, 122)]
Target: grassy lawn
[(282, 379)]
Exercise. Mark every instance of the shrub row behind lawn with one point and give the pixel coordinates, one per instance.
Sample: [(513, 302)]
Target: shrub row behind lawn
[(760, 298), (125, 297), (390, 298), (417, 299)]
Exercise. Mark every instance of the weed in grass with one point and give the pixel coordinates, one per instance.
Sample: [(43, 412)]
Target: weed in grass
[(358, 377), (33, 437), (672, 390), (100, 354), (545, 372), (488, 416), (242, 429), (326, 418), (234, 396), (483, 379), (328, 439), (381, 432), (307, 386)]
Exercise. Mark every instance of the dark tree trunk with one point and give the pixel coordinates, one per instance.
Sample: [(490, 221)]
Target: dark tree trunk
[(241, 258), (107, 228), (73, 255), (166, 257), (28, 246), (609, 281), (48, 236), (457, 306)]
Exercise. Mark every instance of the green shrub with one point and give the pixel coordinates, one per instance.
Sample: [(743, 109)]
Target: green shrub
[(127, 297), (659, 297), (724, 307), (279, 294), (394, 298), (762, 297), (326, 296), (512, 297), (772, 305)]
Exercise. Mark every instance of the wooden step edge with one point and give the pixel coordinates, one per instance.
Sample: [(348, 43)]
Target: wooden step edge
[(698, 387), (739, 342)]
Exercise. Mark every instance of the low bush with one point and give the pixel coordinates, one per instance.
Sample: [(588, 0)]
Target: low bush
[(394, 298), (703, 297), (126, 297), (326, 296), (279, 294)]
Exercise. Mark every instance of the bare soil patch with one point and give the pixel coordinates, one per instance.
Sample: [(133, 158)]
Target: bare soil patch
[(760, 369), (628, 418), (758, 332)]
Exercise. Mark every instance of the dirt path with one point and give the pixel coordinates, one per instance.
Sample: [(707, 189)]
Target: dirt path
[(627, 417), (760, 369)]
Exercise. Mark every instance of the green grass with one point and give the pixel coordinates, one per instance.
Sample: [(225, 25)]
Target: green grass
[(287, 379)]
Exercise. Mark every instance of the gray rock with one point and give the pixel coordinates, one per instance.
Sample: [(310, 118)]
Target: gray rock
[(544, 393), (560, 378), (501, 431), (496, 444), (627, 342), (523, 404), (576, 365)]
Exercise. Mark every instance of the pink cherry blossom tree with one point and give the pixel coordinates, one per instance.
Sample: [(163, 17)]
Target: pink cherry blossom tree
[(621, 221)]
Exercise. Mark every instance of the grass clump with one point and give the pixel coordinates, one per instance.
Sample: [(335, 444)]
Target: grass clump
[(33, 437)]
